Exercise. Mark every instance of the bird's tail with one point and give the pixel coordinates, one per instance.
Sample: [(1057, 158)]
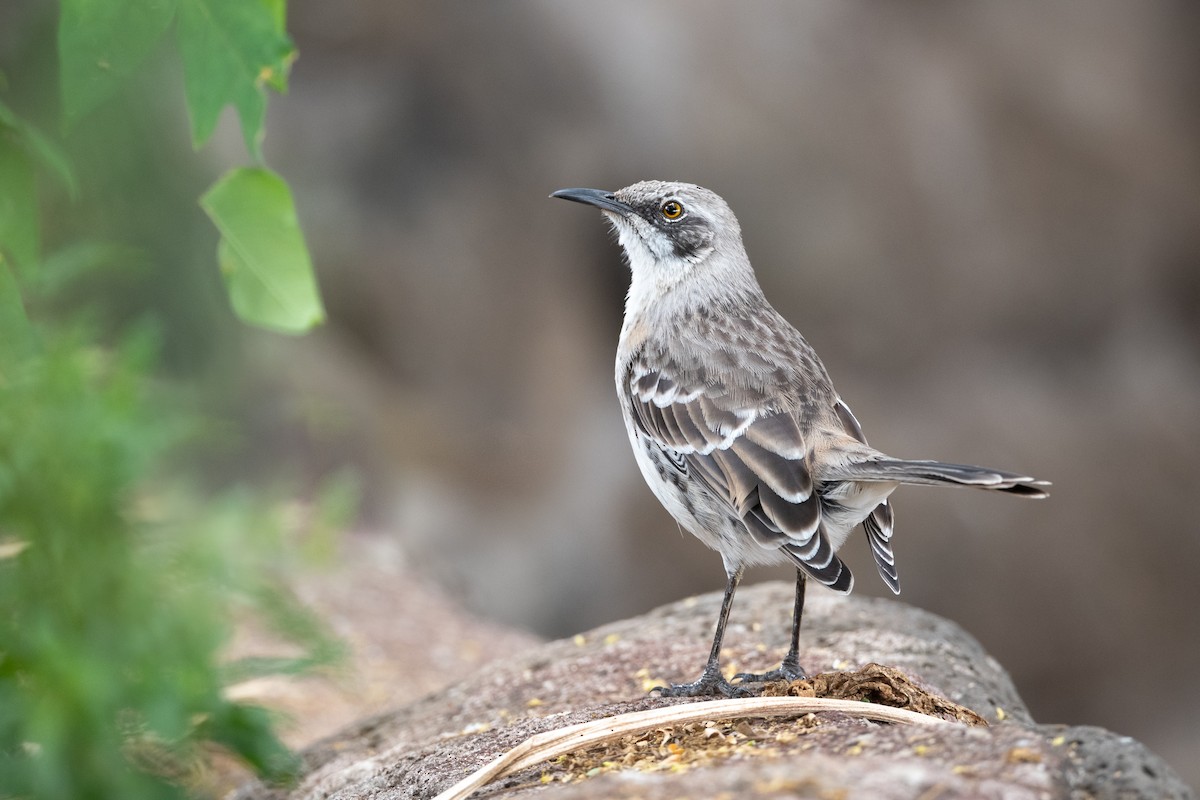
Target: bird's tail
[(938, 473)]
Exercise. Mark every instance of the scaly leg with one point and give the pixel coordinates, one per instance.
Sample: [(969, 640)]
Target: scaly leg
[(711, 681), (790, 669)]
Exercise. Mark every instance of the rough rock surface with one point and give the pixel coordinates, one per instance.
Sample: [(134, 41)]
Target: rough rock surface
[(425, 747)]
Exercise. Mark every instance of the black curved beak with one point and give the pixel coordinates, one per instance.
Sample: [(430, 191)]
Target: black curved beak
[(599, 198)]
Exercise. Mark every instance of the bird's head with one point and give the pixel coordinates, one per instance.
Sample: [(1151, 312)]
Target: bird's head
[(671, 231)]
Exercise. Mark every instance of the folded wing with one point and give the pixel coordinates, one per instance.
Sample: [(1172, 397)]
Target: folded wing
[(749, 457)]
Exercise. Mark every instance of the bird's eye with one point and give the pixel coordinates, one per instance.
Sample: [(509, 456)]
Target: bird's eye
[(672, 210)]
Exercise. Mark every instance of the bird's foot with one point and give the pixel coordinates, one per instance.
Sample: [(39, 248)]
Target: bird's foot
[(711, 684), (790, 670)]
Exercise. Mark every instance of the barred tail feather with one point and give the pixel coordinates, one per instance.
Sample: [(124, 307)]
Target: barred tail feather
[(878, 527)]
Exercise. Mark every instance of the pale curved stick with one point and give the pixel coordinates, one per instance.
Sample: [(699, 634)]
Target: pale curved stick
[(552, 744)]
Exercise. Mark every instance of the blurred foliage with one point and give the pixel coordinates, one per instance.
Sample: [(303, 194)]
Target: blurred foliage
[(231, 52), (119, 587), (120, 580)]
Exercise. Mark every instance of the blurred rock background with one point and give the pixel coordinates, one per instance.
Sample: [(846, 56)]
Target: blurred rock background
[(984, 216)]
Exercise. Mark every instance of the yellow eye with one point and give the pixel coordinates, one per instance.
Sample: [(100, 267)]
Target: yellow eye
[(672, 210)]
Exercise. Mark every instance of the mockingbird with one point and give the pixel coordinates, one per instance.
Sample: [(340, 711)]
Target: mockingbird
[(733, 419)]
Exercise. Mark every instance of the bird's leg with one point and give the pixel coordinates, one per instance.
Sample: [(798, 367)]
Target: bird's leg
[(711, 681), (790, 669)]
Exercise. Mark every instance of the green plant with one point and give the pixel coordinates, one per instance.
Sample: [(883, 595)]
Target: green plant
[(232, 52), (117, 589), (119, 580)]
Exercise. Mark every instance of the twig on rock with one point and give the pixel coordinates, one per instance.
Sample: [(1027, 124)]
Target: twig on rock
[(552, 744)]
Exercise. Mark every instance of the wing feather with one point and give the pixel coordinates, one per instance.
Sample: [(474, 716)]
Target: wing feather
[(779, 433), (753, 459), (788, 478), (688, 430), (798, 520), (712, 437), (741, 480)]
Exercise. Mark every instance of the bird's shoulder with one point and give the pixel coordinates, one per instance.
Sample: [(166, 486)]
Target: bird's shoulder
[(740, 357)]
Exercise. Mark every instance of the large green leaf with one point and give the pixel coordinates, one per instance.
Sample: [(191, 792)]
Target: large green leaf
[(18, 203), (101, 43), (232, 50), (262, 254)]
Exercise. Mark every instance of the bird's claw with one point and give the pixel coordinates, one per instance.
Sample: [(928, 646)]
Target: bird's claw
[(788, 671), (710, 684)]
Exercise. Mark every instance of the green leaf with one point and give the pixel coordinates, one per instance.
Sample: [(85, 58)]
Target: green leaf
[(262, 254), (231, 50), (278, 10), (101, 43), (18, 203)]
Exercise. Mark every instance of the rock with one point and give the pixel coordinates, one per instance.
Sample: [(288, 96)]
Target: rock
[(427, 746), (1103, 765), (404, 638), (393, 655)]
